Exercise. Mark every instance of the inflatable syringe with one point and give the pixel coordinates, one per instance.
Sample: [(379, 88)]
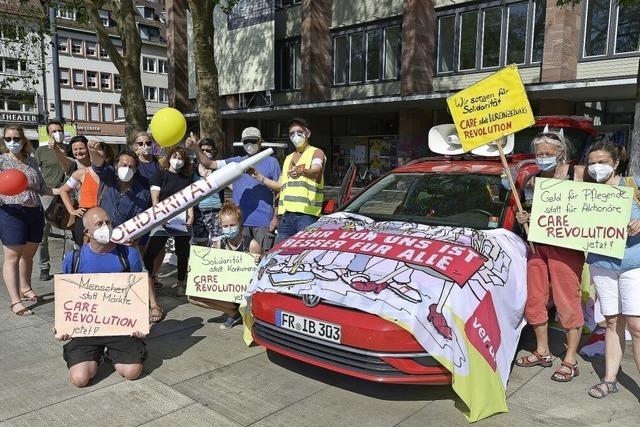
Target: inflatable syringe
[(184, 199)]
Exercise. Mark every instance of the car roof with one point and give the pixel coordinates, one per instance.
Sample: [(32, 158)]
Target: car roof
[(460, 164)]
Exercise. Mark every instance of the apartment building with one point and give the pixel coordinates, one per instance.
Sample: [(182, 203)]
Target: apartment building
[(373, 75)]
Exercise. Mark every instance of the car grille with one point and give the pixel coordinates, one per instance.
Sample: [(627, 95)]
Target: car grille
[(339, 355)]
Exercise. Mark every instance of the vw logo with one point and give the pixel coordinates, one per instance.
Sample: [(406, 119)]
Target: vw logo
[(311, 300)]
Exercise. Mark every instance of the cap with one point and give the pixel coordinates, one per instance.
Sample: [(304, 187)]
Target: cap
[(250, 134)]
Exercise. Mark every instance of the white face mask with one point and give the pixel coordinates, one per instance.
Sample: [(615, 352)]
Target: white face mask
[(251, 148), (14, 147), (600, 171), (209, 155), (177, 164), (102, 234), (58, 136), (125, 173), (298, 139)]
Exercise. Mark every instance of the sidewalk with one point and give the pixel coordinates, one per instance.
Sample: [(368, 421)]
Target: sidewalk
[(197, 375)]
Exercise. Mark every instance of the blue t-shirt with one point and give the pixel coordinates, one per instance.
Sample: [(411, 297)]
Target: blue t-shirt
[(146, 171), (92, 262), (121, 207), (631, 258), (213, 200), (255, 199)]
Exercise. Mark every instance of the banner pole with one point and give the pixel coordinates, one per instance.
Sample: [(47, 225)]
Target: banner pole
[(507, 171)]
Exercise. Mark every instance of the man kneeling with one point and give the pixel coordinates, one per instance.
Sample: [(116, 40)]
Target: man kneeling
[(84, 354)]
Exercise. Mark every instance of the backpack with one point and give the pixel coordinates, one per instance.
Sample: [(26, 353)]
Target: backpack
[(124, 260)]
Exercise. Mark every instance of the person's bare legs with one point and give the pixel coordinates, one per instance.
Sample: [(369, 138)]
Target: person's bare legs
[(633, 325), (11, 274), (129, 371), (542, 338), (81, 373), (29, 250), (573, 340), (614, 345)]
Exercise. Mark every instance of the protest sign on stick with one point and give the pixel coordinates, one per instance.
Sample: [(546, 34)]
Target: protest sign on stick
[(101, 304), (581, 215), (219, 274)]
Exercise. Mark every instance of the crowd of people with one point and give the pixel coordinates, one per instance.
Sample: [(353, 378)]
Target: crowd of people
[(269, 203)]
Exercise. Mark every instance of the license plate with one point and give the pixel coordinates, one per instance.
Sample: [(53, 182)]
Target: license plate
[(308, 326)]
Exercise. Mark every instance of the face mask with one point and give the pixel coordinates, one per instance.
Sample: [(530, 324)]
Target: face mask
[(177, 164), (102, 234), (209, 155), (14, 147), (231, 232), (58, 136), (125, 173), (298, 139), (547, 163), (251, 148), (600, 171)]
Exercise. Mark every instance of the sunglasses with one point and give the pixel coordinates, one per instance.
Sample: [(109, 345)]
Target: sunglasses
[(142, 143), (549, 135), (14, 139), (208, 150)]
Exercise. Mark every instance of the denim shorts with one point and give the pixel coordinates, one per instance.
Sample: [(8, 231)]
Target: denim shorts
[(20, 224)]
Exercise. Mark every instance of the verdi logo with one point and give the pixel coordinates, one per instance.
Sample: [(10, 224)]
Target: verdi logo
[(483, 330)]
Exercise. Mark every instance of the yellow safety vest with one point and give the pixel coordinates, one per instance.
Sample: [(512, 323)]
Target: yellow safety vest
[(303, 195)]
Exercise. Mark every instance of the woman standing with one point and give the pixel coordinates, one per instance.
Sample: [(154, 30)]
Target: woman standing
[(617, 281), (232, 239), (21, 219), (554, 269), (174, 175), (206, 225)]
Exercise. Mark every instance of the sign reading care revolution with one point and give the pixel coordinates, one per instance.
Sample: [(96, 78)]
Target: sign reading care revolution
[(580, 215), (219, 274), (490, 109), (103, 304)]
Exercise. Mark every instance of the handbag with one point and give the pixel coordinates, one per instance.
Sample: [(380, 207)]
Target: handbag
[(58, 216)]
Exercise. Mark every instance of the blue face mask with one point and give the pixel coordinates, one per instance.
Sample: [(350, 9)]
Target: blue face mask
[(230, 232), (547, 163)]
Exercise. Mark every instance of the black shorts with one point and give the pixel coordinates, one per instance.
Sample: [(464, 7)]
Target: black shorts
[(119, 349)]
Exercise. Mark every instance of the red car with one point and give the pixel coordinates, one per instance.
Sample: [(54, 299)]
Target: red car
[(458, 191)]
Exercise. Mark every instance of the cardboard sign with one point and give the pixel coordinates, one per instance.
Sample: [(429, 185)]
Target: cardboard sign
[(580, 215), (219, 274), (69, 132), (101, 304), (490, 109)]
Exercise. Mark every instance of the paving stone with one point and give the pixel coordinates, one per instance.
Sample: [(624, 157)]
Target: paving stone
[(9, 321), (27, 345), (195, 415)]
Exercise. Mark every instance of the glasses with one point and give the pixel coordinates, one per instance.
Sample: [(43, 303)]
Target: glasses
[(143, 143), (549, 135), (14, 139), (208, 150)]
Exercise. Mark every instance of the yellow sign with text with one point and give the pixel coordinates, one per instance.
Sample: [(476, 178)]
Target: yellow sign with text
[(490, 109), (571, 215), (69, 132)]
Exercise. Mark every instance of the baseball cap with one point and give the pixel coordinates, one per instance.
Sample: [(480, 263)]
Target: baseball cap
[(250, 134)]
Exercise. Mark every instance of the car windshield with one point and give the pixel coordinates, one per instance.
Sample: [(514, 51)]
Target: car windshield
[(466, 200)]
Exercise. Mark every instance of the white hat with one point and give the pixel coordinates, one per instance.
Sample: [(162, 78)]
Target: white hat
[(491, 149), (443, 139), (250, 134)]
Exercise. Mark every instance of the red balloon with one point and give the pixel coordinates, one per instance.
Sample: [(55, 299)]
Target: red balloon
[(12, 182)]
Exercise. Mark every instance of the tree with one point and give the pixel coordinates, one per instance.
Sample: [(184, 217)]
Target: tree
[(634, 147)]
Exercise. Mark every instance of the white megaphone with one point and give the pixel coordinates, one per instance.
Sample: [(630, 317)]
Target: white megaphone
[(184, 199)]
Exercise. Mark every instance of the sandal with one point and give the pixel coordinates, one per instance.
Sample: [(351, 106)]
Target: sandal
[(24, 312), (24, 297), (612, 387), (181, 290), (156, 314), (156, 283), (565, 377), (544, 361)]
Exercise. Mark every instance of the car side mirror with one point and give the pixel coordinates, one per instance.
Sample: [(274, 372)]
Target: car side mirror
[(329, 206)]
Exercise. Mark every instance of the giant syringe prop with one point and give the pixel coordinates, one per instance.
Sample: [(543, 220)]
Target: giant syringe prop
[(184, 199)]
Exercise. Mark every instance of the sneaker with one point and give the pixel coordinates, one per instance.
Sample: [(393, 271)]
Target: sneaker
[(44, 275), (231, 322)]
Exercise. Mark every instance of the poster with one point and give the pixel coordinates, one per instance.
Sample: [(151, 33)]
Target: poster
[(219, 274), (572, 215), (101, 304), (69, 132), (490, 109)]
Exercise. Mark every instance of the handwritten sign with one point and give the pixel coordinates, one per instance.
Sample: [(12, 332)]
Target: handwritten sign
[(104, 304), (490, 109), (581, 215), (219, 274)]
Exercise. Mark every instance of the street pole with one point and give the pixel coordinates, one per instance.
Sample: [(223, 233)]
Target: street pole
[(55, 63)]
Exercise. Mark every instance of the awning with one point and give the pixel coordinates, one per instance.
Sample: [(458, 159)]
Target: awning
[(108, 139)]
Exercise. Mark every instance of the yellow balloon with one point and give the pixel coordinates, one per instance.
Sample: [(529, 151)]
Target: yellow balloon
[(168, 126)]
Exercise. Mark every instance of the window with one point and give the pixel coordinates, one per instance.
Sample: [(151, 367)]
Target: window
[(11, 66), (117, 83), (150, 93), (367, 54), (145, 12), (64, 76), (10, 31), (66, 13), (90, 48), (94, 112), (105, 81), (163, 68), (148, 64), (107, 113), (92, 79), (105, 17), (119, 112), (149, 33), (78, 78), (79, 110), (66, 109), (490, 36), (103, 53), (288, 65), (76, 47), (163, 95), (63, 45), (13, 104), (610, 28), (282, 4)]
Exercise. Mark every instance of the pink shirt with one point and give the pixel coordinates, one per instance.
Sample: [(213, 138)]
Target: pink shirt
[(36, 186)]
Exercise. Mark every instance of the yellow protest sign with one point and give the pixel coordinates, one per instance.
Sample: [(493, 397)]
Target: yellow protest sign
[(101, 304), (490, 109), (580, 215), (69, 132), (219, 274)]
